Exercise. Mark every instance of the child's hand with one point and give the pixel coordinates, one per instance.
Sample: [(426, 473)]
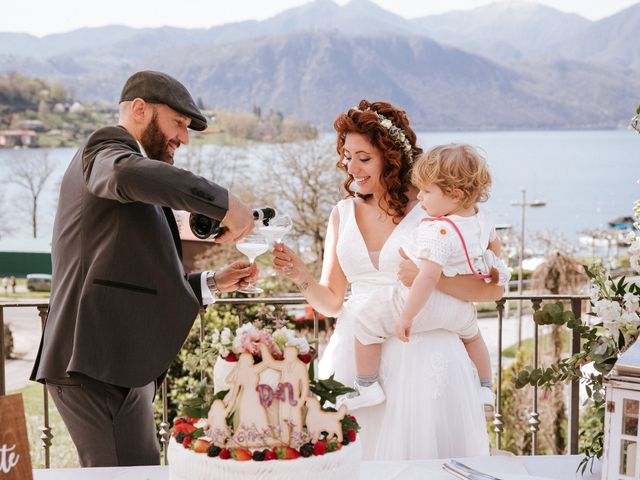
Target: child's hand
[(403, 329)]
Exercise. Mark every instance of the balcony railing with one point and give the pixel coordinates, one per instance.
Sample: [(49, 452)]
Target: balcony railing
[(578, 306)]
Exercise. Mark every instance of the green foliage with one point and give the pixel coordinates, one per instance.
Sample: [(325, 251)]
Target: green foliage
[(635, 121), (604, 334), (328, 389), (20, 93), (186, 390)]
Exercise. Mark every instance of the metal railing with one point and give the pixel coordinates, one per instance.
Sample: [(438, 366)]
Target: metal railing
[(577, 304)]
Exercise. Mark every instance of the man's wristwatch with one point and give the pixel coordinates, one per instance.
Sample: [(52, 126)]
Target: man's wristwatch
[(211, 282)]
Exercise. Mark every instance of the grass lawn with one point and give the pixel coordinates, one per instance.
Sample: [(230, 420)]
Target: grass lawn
[(545, 345), (63, 452), (21, 284)]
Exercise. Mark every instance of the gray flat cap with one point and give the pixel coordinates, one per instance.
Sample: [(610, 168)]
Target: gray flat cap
[(158, 87)]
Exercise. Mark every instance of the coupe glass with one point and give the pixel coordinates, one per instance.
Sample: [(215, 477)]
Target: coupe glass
[(252, 246), (277, 229)]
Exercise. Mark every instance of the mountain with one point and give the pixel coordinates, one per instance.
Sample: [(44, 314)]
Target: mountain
[(504, 31), (518, 65), (612, 40), (316, 75)]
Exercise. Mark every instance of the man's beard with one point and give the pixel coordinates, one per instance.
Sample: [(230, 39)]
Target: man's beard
[(155, 143)]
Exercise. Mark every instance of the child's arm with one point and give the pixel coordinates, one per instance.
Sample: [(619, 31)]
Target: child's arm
[(421, 290), (495, 247)]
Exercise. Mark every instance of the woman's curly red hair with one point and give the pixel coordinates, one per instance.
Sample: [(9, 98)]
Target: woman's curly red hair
[(396, 176)]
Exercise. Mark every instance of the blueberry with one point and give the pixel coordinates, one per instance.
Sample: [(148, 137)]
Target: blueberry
[(258, 456), (306, 450), (213, 451), (180, 437)]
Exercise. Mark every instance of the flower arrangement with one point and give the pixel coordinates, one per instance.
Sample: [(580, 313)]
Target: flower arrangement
[(609, 329), (247, 338)]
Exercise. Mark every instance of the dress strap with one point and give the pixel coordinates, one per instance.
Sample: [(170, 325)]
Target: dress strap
[(464, 244)]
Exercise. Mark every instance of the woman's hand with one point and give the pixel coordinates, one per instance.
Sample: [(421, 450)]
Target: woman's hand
[(408, 270), (287, 263), (237, 275)]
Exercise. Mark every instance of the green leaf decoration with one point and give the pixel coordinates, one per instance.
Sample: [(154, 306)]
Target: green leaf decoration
[(328, 390)]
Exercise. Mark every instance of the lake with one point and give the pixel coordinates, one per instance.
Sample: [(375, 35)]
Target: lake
[(586, 178)]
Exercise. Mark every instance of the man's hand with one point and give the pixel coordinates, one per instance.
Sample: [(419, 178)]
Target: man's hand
[(238, 221), (408, 270), (237, 275)]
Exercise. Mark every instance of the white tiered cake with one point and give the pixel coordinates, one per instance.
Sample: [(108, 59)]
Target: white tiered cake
[(269, 425)]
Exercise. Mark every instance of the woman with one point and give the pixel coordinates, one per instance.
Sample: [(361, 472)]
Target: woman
[(432, 409)]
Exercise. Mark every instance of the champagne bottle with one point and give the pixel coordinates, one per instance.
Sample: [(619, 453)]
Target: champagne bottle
[(204, 227)]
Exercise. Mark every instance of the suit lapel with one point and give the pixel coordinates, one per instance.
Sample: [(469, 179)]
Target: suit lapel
[(174, 229)]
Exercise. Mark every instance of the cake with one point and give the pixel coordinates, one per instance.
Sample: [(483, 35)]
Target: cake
[(266, 419)]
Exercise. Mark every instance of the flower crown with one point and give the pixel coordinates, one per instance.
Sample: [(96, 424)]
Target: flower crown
[(396, 133)]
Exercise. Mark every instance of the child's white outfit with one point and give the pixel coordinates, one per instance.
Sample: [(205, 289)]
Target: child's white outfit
[(437, 241)]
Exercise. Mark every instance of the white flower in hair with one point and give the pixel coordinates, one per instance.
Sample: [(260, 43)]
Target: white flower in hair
[(397, 134)]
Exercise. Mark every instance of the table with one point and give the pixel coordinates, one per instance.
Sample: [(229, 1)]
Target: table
[(556, 467)]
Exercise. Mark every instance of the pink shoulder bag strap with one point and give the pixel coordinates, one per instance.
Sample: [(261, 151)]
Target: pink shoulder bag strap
[(464, 245)]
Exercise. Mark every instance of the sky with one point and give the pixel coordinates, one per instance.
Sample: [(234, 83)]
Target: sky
[(65, 15)]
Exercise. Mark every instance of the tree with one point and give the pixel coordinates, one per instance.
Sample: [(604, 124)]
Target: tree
[(5, 229), (301, 179), (30, 174)]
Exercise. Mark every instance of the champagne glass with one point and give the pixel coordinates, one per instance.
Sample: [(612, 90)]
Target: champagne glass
[(277, 228), (252, 246)]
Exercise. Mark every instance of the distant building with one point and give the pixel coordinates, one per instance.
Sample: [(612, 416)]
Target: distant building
[(622, 223), (20, 256), (35, 125), (77, 107), (18, 138)]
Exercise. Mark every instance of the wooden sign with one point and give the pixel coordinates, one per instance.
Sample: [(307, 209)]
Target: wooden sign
[(15, 461)]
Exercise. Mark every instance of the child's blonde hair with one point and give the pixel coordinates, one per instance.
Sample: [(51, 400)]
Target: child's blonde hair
[(454, 166)]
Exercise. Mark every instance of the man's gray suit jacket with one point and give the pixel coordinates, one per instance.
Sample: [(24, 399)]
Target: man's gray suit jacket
[(121, 305)]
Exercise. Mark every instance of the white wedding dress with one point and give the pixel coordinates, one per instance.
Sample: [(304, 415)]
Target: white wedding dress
[(433, 408)]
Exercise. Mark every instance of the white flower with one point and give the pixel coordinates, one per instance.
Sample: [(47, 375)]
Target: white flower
[(634, 262), (300, 343), (280, 337), (631, 302), (634, 248), (607, 310), (386, 123), (236, 346), (247, 327), (215, 337), (225, 337), (631, 236), (636, 209), (594, 292)]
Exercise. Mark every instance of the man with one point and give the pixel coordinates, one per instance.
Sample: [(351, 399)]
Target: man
[(121, 304)]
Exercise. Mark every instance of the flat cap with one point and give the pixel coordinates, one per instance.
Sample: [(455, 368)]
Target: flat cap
[(158, 87)]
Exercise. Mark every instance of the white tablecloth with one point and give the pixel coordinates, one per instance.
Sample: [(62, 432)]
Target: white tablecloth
[(556, 467)]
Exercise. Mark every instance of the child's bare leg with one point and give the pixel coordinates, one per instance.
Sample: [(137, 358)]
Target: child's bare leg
[(479, 355), (368, 391), (368, 358)]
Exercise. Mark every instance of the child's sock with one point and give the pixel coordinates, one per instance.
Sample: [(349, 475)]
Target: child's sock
[(367, 380)]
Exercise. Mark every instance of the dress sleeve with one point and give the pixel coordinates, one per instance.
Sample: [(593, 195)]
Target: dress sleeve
[(436, 241)]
